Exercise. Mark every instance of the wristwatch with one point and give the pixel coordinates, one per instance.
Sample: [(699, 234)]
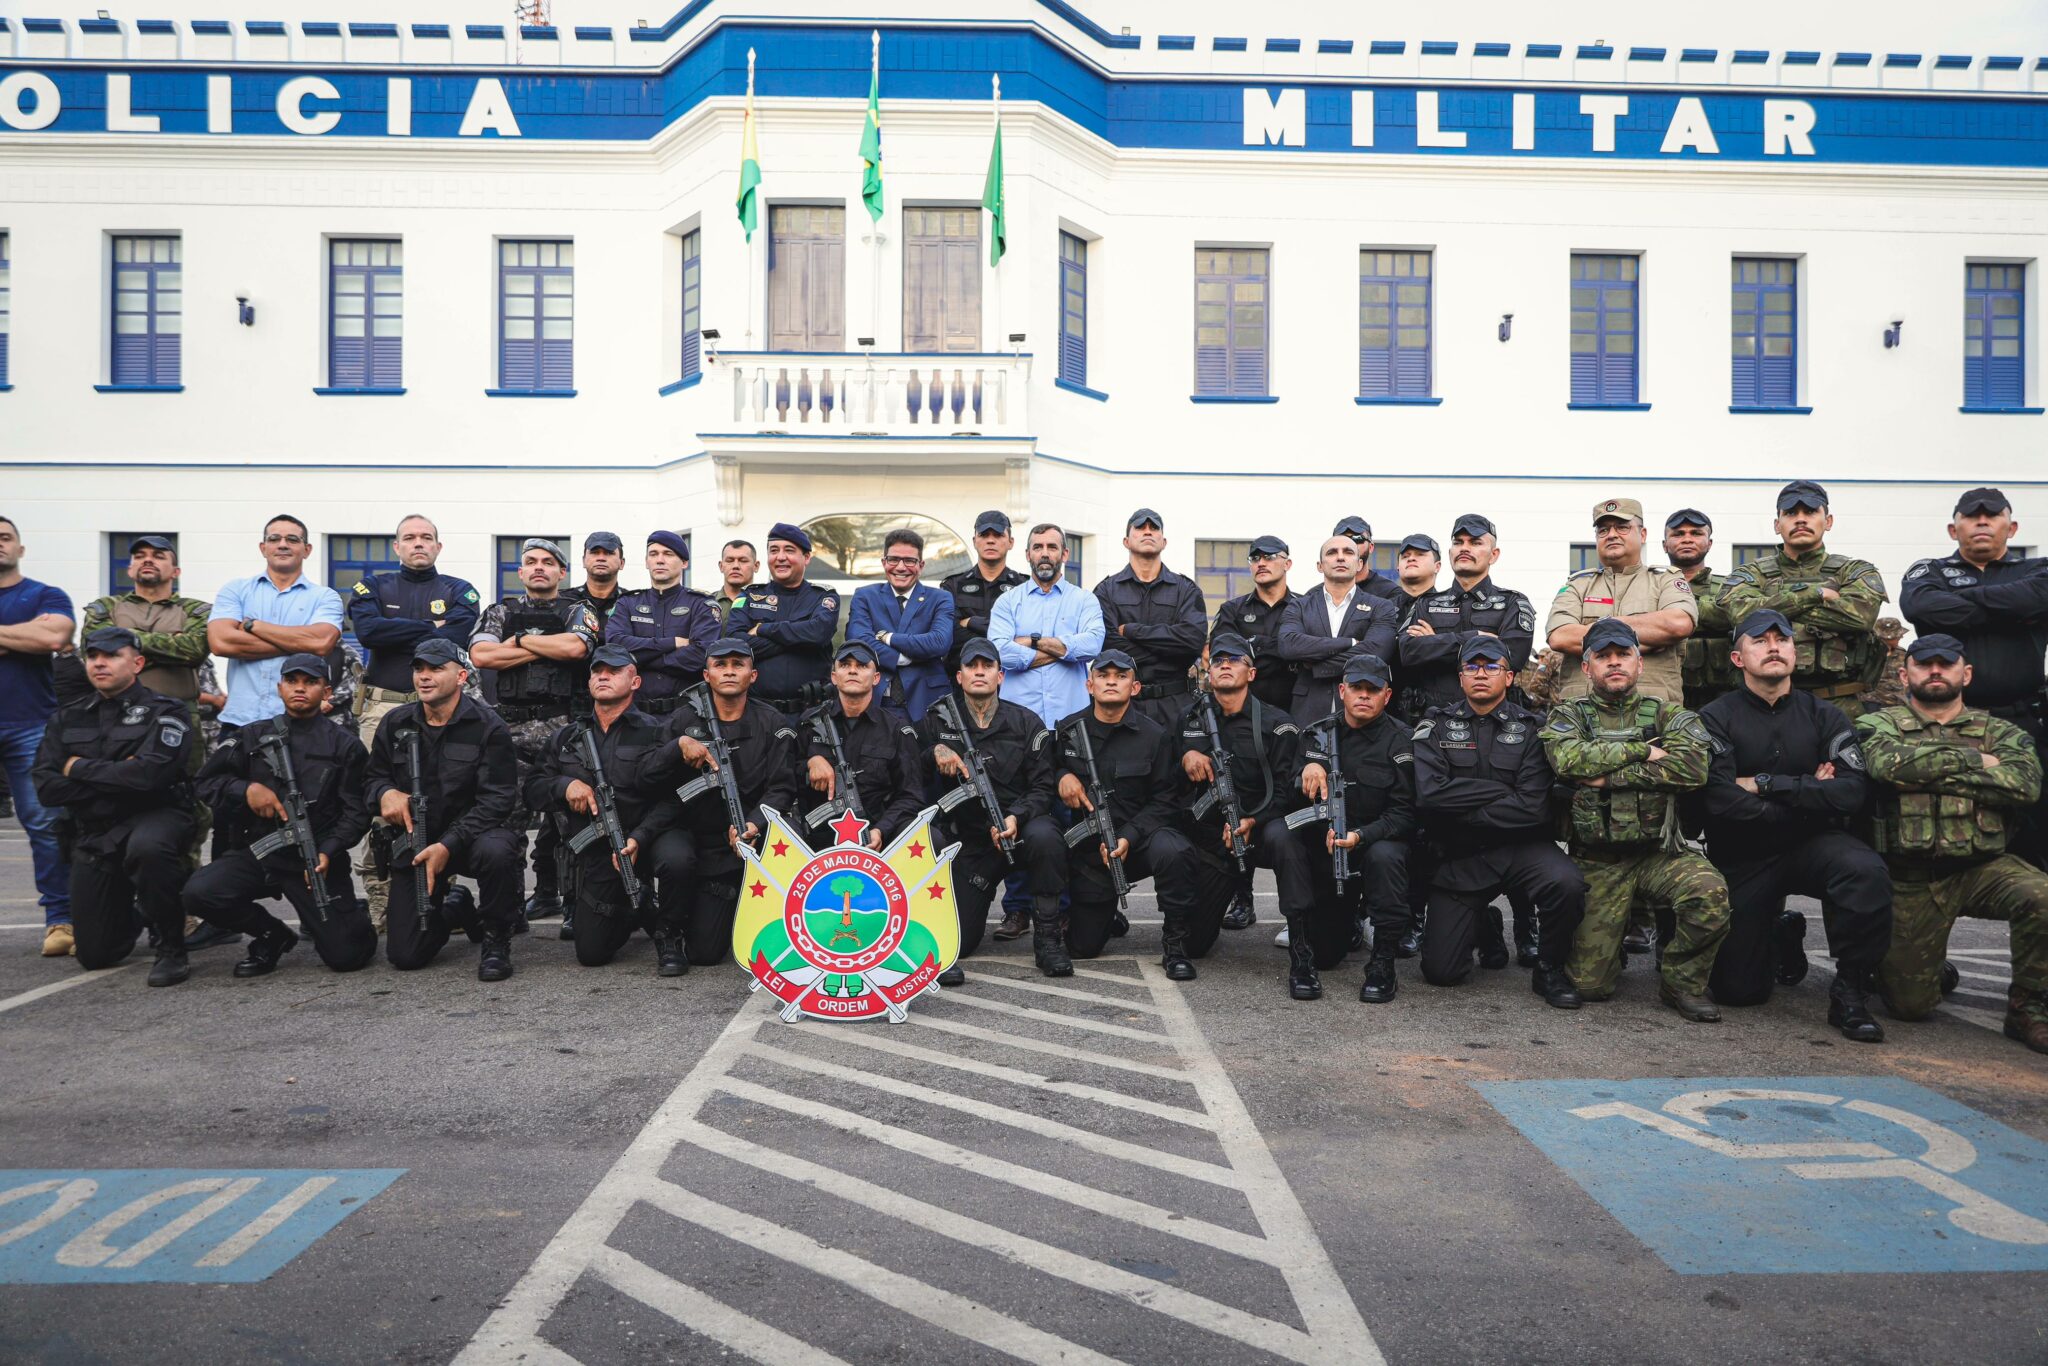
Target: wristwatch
[(1035, 638), (249, 625), (1763, 783)]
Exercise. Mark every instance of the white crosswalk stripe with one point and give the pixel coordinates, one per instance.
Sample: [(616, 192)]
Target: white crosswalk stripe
[(1215, 1190)]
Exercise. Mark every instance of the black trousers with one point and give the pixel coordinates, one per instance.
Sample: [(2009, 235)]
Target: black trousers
[(1272, 845), (1846, 875), (495, 860), (1378, 889), (979, 873), (138, 865), (1465, 888), (225, 893), (604, 922), (1166, 856)]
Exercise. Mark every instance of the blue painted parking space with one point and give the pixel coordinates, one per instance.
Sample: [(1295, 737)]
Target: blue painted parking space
[(81, 1227), (1794, 1174)]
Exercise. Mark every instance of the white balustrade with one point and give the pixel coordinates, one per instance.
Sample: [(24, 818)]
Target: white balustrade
[(783, 393)]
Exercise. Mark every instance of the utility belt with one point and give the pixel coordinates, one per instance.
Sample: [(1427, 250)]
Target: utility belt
[(806, 697), (369, 692), (659, 706), (1171, 687), (516, 713), (1836, 690)]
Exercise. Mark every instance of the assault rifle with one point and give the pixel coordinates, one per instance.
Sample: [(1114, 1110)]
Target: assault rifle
[(1099, 823), (845, 794), (977, 784), (606, 824), (721, 776), (298, 823), (1331, 808), (1223, 786)]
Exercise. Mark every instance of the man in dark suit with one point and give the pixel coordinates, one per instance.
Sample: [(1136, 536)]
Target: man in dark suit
[(907, 625), (1324, 627)]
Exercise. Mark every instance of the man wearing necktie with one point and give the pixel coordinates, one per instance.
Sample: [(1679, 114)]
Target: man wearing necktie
[(907, 625)]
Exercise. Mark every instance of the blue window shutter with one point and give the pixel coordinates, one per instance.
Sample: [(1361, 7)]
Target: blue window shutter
[(148, 310), (693, 304), (1764, 328), (1604, 336), (1395, 317), (365, 314), (1073, 358), (536, 315), (1232, 322), (6, 304), (1994, 337)]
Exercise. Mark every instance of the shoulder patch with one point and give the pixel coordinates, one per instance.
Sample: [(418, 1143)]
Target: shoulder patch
[(1422, 731), (786, 732), (1404, 757), (363, 587), (470, 596), (831, 603), (171, 730), (1287, 728)]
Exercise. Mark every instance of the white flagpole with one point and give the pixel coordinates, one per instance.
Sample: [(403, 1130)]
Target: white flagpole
[(996, 123), (750, 245), (875, 228)]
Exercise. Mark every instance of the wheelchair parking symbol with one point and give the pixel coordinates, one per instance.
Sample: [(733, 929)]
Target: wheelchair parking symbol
[(1811, 1174)]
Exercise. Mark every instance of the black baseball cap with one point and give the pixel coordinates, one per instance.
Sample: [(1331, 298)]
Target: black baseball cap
[(436, 651), (1112, 659), (856, 649), (1352, 526), (311, 665), (1802, 493), (730, 645), (1229, 643), (1764, 619), (1984, 500), (1418, 541), (980, 648), (1936, 646), (1472, 524), (156, 542), (993, 520), (1608, 632), (604, 540), (1369, 669), (1687, 517), (1142, 516), (1486, 647), (611, 656), (1268, 545)]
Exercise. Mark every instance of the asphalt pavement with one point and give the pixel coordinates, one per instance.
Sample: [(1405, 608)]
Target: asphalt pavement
[(600, 1165)]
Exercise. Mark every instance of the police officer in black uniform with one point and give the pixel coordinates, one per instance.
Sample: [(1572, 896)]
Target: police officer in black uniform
[(539, 642), (1256, 617), (763, 743), (1416, 567), (1137, 759), (1264, 748), (392, 612), (604, 555), (975, 588), (665, 626), (1156, 617), (1439, 624), (1996, 603), (1482, 790), (1787, 777), (1369, 580), (1376, 756), (878, 742), (243, 773), (116, 761), (471, 774), (1015, 750), (641, 767), (791, 622)]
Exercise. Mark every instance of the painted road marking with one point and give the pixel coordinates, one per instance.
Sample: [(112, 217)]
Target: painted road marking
[(1794, 1174), (76, 1227), (63, 984), (773, 1069)]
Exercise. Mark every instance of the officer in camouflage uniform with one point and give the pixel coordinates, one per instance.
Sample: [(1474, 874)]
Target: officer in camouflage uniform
[(1623, 758), (1707, 670), (1655, 600), (1949, 778), (1831, 600), (538, 641)]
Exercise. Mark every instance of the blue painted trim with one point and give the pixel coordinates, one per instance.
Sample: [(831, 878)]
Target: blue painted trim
[(43, 25), (544, 33), (529, 393), (1852, 59), (1609, 407), (1283, 45), (1226, 44), (155, 26), (358, 393), (430, 31), (2022, 412), (372, 30), (2003, 63), (1751, 56), (1176, 42), (591, 33), (1492, 49), (1746, 408), (1544, 50), (212, 27), (687, 382), (320, 30), (3, 23), (1902, 59), (1801, 59), (1074, 17), (1333, 47), (1395, 402), (1083, 390), (483, 30), (264, 28), (1589, 53), (1646, 54), (1387, 47), (99, 25), (6, 388), (2041, 63), (1233, 398), (138, 388), (1699, 54), (1439, 49), (1951, 61)]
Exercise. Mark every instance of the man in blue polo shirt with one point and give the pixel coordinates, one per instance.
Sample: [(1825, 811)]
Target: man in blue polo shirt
[(35, 622), (259, 620)]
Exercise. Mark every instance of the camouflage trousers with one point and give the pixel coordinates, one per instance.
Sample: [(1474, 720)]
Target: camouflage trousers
[(1923, 912), (1685, 882), (369, 712), (530, 741)]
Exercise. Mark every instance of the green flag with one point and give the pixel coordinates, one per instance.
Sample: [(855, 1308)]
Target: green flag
[(871, 141), (992, 199), (750, 163)]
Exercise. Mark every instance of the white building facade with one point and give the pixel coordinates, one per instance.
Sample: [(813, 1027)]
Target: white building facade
[(353, 270)]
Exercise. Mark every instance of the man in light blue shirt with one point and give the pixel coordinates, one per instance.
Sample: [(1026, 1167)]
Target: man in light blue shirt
[(1047, 630), (257, 621)]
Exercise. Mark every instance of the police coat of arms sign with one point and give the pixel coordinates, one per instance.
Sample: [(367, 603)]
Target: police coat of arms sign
[(847, 932)]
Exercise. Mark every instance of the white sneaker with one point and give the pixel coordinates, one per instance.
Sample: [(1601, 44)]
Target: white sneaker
[(1281, 939)]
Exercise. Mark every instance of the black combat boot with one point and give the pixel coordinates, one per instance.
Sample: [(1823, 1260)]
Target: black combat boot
[(1240, 916), (171, 966), (1493, 944), (264, 951), (1119, 924), (1380, 981), (1411, 942), (1173, 951), (1525, 941), (1950, 978), (669, 958), (1848, 1005), (495, 962), (1303, 984), (1046, 940), (1554, 986), (955, 976), (568, 930), (1357, 936), (1792, 963), (544, 904)]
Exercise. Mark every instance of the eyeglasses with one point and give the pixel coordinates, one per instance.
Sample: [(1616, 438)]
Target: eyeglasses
[(1258, 556), (902, 561), (1477, 668), (284, 540)]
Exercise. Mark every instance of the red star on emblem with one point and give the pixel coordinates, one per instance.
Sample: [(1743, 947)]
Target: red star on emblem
[(917, 850), (935, 891), (759, 889), (779, 848), (849, 829)]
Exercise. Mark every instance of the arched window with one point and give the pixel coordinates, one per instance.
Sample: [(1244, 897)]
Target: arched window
[(848, 545)]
